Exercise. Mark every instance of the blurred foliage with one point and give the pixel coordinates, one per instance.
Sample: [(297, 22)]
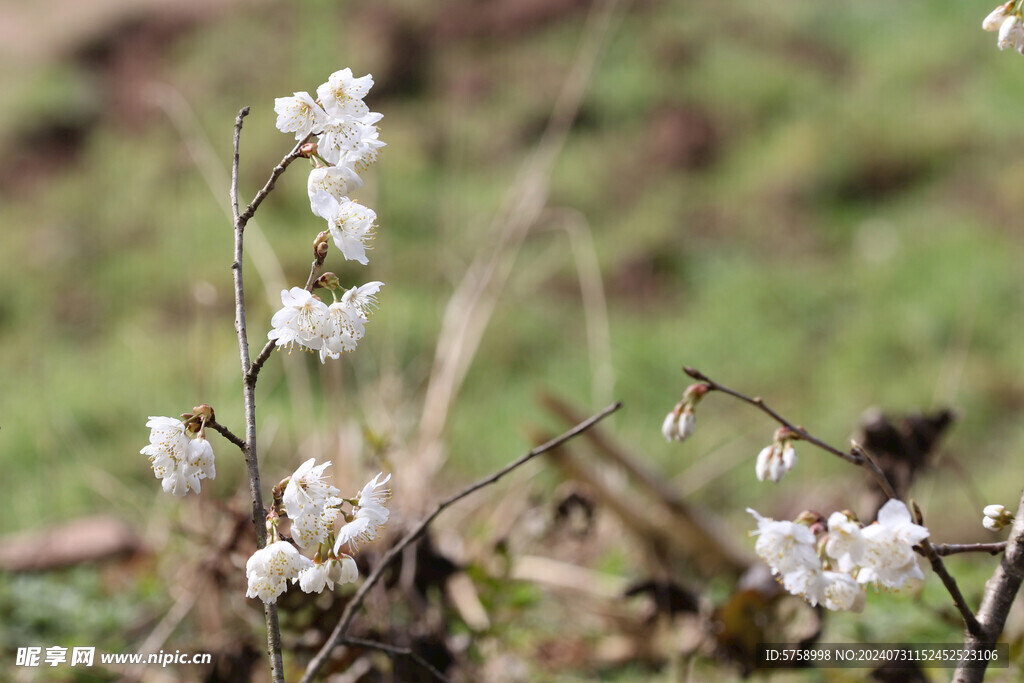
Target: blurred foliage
[(818, 204)]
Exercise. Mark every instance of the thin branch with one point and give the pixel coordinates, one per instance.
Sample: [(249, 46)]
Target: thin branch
[(226, 433), (357, 600), (274, 175), (393, 651), (939, 567), (249, 395), (759, 403), (857, 456), (944, 549)]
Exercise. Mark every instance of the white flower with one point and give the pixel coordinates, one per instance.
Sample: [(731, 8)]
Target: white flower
[(202, 458), (308, 492), (889, 557), (355, 532), (995, 19), (371, 503), (347, 319), (314, 578), (303, 320), (774, 461), (351, 224), (336, 181), (342, 95), (1011, 33), (352, 143), (845, 543), (840, 591), (269, 570), (678, 424), (179, 462), (311, 529), (785, 546), (299, 114)]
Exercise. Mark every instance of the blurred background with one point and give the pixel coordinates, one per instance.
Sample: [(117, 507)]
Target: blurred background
[(818, 204)]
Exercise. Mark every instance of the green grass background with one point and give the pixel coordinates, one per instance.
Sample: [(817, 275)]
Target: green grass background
[(783, 266)]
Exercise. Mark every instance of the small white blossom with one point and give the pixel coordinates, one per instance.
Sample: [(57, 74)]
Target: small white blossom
[(308, 492), (889, 557), (353, 533), (314, 578), (351, 224), (785, 546), (179, 462), (310, 530), (269, 570), (336, 181), (372, 500), (840, 591), (352, 143), (299, 114), (303, 320), (347, 319), (342, 95), (1011, 34), (845, 543)]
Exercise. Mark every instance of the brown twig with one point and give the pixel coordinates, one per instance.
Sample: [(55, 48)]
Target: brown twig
[(855, 456), (944, 549), (393, 651), (249, 386), (226, 433), (939, 567), (356, 602), (274, 175)]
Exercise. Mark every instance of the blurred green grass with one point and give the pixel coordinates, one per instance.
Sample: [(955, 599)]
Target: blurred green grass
[(852, 240)]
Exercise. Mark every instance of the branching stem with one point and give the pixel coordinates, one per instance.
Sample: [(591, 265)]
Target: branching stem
[(338, 636)]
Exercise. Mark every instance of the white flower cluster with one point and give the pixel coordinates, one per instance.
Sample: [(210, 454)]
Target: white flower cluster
[(307, 321), (852, 556), (347, 146), (1007, 20), (179, 461), (314, 507)]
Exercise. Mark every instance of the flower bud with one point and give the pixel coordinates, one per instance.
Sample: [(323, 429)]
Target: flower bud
[(996, 517), (995, 19), (329, 281), (1011, 33), (320, 245), (774, 461)]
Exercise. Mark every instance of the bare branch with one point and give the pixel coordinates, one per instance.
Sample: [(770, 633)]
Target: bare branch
[(356, 602), (944, 549), (226, 433), (393, 651), (939, 567), (274, 175), (249, 395)]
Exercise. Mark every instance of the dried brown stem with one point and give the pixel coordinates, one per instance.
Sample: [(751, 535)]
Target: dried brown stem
[(338, 635)]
